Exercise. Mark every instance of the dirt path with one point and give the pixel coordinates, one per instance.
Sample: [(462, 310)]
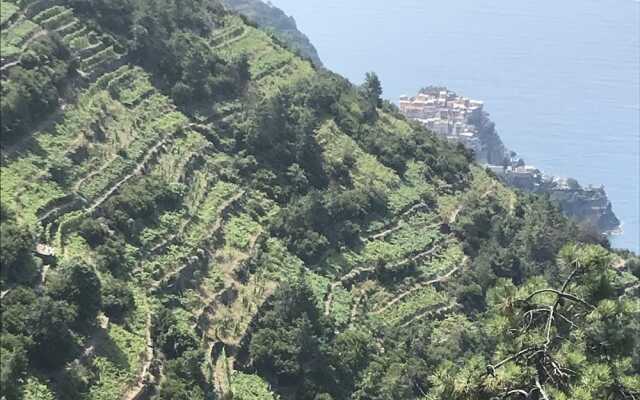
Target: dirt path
[(221, 375), (382, 235), (135, 391), (219, 223), (43, 276), (232, 40), (136, 171), (44, 125), (98, 171), (395, 225), (440, 279), (328, 302), (454, 215), (356, 274), (212, 299), (34, 36), (140, 167), (437, 312), (355, 306)]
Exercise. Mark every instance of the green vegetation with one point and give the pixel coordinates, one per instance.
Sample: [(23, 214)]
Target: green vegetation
[(217, 216), (277, 23), (7, 11)]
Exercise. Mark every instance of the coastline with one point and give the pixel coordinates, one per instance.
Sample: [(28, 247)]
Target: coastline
[(463, 120)]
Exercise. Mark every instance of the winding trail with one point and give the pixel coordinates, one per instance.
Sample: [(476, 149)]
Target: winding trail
[(144, 377), (355, 275), (34, 36), (232, 40), (213, 299), (454, 215), (81, 181), (221, 371), (395, 225), (328, 302), (422, 285), (219, 223), (354, 308), (437, 312), (140, 167)]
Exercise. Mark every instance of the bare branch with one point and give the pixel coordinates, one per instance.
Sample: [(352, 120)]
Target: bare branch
[(516, 391), (561, 294), (513, 357), (541, 389)]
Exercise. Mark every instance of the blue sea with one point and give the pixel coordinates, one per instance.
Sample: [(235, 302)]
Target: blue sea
[(561, 79)]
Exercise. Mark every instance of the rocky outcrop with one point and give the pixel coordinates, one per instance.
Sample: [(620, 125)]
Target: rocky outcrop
[(589, 206)]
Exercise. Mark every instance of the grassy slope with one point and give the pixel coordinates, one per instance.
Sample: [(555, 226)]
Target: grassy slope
[(116, 125)]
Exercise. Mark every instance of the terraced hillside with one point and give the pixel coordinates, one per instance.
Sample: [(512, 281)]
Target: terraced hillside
[(275, 21), (196, 213)]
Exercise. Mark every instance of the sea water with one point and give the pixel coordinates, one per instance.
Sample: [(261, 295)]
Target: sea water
[(561, 79)]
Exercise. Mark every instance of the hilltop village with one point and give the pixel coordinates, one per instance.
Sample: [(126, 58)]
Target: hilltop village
[(446, 114), (463, 120)]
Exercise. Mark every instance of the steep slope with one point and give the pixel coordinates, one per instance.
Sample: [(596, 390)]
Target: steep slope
[(212, 216), (275, 21)]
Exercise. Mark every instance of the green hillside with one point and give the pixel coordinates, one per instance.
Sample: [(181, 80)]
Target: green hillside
[(192, 211), (276, 22)]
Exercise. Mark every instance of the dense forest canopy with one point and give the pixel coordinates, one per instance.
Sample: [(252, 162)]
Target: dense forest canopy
[(192, 211)]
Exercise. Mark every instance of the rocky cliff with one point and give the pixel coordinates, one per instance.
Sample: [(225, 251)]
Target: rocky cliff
[(588, 206)]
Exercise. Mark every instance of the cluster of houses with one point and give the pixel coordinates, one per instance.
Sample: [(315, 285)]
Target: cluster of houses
[(460, 119), (452, 117), (446, 114)]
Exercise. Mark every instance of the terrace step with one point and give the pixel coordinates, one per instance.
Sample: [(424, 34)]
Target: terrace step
[(34, 8), (69, 37), (113, 78), (12, 19), (139, 169), (227, 38), (97, 58), (68, 28), (273, 69), (105, 66), (19, 33), (58, 20), (90, 50), (48, 13)]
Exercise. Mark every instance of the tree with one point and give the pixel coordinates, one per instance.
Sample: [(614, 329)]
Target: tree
[(13, 364), (373, 89), (78, 285), (16, 244), (117, 299), (564, 333), (51, 333), (287, 346), (349, 355)]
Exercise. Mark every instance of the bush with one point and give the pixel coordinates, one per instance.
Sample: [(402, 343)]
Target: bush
[(17, 264), (117, 299), (78, 285)]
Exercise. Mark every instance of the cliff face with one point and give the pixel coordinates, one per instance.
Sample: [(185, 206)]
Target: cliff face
[(275, 21), (588, 206)]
